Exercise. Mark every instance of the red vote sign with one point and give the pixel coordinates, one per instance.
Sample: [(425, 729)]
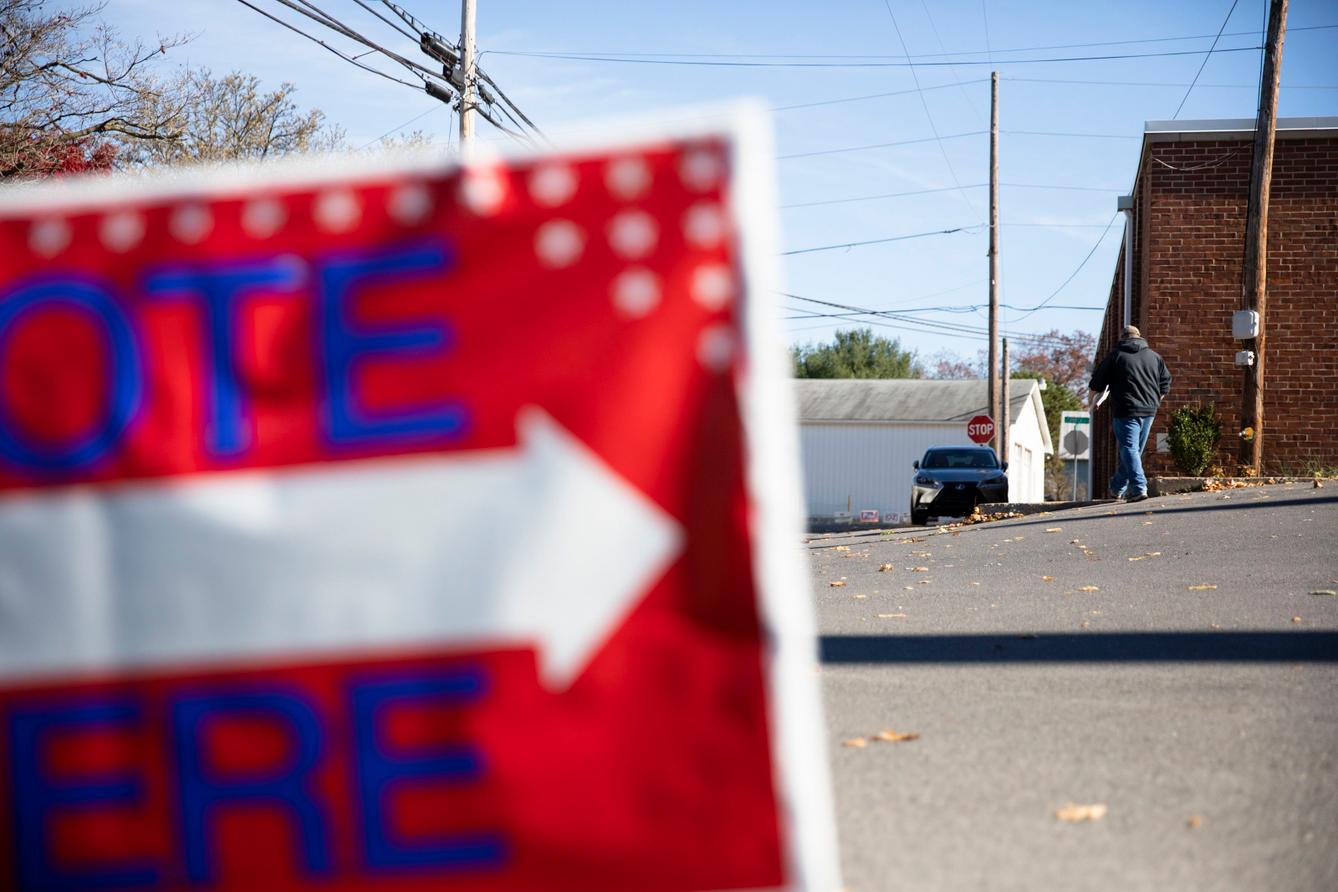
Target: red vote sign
[(980, 429), (405, 527)]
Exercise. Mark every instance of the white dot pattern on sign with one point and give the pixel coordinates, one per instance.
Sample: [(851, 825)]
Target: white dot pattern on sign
[(701, 169), (410, 204), (47, 238), (704, 225), (483, 190), (627, 178), (122, 230), (337, 211), (552, 185), (713, 286), (559, 243), (263, 217), (715, 347), (636, 292), (191, 223), (633, 234)]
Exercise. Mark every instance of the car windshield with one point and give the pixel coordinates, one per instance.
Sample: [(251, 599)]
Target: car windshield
[(960, 458)]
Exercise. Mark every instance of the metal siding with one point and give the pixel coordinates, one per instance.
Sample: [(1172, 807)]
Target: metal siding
[(866, 465), (851, 466)]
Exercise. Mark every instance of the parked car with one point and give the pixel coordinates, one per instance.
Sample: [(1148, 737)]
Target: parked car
[(951, 480)]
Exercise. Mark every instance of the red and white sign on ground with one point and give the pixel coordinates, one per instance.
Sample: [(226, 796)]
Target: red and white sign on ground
[(404, 528), (980, 429)]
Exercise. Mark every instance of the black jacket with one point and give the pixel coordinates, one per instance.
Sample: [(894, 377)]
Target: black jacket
[(1137, 378)]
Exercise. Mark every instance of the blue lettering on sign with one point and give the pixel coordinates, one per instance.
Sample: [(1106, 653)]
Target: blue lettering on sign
[(37, 795), (124, 381), (222, 288), (380, 770), (345, 344), (290, 787)]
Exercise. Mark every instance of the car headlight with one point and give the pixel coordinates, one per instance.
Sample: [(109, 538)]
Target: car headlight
[(925, 480)]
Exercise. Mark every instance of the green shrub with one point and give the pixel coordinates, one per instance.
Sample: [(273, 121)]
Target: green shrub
[(1194, 433)]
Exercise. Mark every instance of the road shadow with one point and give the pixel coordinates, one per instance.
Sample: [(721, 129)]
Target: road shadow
[(1085, 647)]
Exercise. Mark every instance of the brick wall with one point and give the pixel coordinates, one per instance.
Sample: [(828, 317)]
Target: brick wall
[(1189, 216)]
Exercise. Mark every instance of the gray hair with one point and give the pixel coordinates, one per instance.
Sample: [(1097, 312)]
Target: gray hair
[(1131, 331)]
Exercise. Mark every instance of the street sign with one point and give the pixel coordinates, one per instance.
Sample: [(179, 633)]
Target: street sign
[(404, 528), (1075, 435), (980, 429)]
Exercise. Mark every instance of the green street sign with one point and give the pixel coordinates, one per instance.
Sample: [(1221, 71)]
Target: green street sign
[(1077, 419)]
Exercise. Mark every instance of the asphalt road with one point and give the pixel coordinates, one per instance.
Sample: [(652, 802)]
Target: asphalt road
[(1040, 671)]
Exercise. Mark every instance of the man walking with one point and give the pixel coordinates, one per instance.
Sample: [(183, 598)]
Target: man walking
[(1138, 381)]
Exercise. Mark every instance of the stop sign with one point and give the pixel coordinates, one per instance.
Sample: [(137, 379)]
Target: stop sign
[(980, 429)]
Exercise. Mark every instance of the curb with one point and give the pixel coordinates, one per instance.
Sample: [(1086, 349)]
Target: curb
[(1160, 486), (1038, 507)]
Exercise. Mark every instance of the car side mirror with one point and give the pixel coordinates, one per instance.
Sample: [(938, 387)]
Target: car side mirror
[(916, 464), (1004, 465)]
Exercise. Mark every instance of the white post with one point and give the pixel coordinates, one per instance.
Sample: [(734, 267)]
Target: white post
[(469, 94)]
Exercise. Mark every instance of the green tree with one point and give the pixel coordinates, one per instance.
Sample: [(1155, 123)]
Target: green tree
[(857, 353), (1057, 401)]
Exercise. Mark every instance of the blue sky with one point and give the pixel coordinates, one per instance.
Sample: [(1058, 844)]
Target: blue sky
[(1047, 232)]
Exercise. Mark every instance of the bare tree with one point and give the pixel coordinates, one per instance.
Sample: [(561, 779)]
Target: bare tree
[(71, 90), (233, 119)]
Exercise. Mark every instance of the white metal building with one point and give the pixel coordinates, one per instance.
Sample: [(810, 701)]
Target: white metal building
[(860, 436)]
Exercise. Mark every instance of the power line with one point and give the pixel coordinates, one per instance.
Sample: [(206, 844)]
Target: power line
[(988, 52), (1072, 275), (322, 43), (712, 63), (1052, 80), (396, 25), (856, 198), (400, 127), (924, 103), (926, 324), (879, 145), (779, 108), (882, 241), (1206, 57)]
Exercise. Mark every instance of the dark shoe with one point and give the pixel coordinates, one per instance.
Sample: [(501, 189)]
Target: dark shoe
[(1137, 497)]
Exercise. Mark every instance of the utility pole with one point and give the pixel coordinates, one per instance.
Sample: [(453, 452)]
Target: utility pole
[(993, 365), (1254, 275), (469, 89), (1002, 423)]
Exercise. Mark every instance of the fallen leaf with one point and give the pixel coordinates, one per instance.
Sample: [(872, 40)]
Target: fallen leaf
[(1325, 591), (1074, 813), (1075, 541), (1296, 619), (837, 584), (860, 597), (1084, 625), (891, 616), (1141, 557), (1088, 588), (1054, 529), (1194, 822), (1152, 554), (1147, 523), (886, 568), (925, 581), (855, 742), (1313, 593), (890, 736), (1319, 484), (1047, 579), (1200, 588), (909, 588), (920, 569), (843, 548)]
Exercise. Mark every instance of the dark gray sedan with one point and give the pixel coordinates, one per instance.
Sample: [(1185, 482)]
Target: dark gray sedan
[(951, 480)]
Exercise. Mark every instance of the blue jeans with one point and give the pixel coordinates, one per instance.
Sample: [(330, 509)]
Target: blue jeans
[(1131, 435)]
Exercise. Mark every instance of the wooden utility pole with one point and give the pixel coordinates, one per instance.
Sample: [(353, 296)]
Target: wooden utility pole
[(469, 90), (1004, 408), (993, 365), (1254, 275)]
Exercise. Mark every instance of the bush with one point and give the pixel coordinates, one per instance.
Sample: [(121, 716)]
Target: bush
[(1194, 433)]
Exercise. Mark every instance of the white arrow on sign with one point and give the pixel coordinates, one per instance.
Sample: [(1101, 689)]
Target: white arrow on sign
[(542, 544)]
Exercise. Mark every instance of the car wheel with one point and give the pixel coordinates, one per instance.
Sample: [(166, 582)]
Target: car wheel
[(919, 518)]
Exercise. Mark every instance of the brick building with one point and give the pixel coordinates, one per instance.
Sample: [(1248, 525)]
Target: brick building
[(1185, 238)]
